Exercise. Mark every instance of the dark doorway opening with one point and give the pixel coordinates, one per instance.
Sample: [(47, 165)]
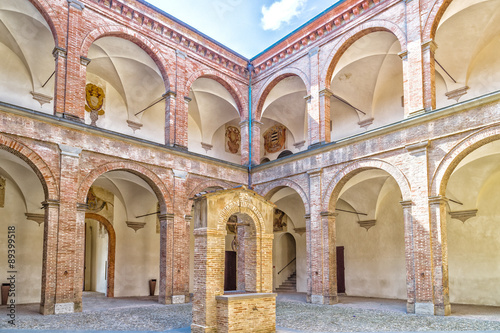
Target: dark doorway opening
[(340, 270), (230, 271)]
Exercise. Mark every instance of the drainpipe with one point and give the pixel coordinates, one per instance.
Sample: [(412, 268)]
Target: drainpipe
[(250, 70)]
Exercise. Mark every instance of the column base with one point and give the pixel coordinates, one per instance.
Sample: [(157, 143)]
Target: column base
[(442, 309), (424, 308), (47, 309), (62, 308), (326, 300), (175, 299), (410, 308)]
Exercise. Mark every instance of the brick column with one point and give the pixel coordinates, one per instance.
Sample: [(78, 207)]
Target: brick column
[(189, 220), (266, 263), (418, 177), (406, 83), (166, 261), (60, 55), (69, 236), (244, 149), (241, 257), (429, 67), (76, 72), (315, 121), (181, 114), (413, 75), (439, 241), (170, 101), (330, 295), (324, 109), (208, 278), (180, 240), (307, 219), (79, 255), (315, 238), (49, 265), (410, 256), (256, 137), (253, 262)]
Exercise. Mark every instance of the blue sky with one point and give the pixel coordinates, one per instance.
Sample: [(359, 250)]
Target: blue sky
[(245, 26)]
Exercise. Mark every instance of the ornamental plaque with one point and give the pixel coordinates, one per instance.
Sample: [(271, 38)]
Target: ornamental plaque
[(274, 138), (94, 97), (233, 139)]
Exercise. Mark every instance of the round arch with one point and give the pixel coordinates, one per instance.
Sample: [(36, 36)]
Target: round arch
[(270, 189), (111, 250), (457, 154), (228, 85), (34, 160), (433, 18), (159, 188), (199, 187), (134, 37), (351, 37), (342, 177), (50, 17), (235, 208), (273, 81)]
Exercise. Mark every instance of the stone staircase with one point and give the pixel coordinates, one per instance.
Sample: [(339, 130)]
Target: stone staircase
[(290, 284)]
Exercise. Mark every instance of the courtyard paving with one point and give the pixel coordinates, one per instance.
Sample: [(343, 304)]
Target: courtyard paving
[(353, 314)]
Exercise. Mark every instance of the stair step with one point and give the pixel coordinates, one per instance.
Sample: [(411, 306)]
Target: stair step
[(289, 284)]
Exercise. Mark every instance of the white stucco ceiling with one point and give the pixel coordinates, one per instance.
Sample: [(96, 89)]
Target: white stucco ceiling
[(286, 104), (466, 30), (129, 70), (24, 180), (365, 70), (136, 195), (26, 34), (211, 107)]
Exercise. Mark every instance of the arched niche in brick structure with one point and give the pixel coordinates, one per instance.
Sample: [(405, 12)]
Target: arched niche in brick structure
[(213, 311)]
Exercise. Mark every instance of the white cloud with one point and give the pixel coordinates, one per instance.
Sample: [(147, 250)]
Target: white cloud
[(280, 12)]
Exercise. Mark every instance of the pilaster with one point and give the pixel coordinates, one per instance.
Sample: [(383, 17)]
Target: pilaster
[(49, 264), (70, 235), (256, 138), (166, 286), (429, 69), (417, 166), (409, 256), (439, 240), (76, 71)]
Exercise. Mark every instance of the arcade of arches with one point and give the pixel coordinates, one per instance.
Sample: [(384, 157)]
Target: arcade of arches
[(374, 130)]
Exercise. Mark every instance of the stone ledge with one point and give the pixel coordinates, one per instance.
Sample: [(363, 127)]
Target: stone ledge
[(238, 297)]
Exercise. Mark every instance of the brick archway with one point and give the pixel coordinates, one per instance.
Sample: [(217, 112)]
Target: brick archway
[(211, 213), (52, 20), (199, 187), (272, 82), (156, 184), (270, 189), (136, 38), (41, 169), (343, 176), (433, 18), (457, 154), (326, 73), (227, 84), (51, 205), (111, 250)]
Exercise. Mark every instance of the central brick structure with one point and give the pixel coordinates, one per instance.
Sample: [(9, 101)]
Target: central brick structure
[(213, 312)]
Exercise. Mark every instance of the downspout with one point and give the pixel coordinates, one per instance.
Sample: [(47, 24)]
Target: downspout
[(250, 70)]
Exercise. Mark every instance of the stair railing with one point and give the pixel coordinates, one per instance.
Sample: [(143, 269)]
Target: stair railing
[(287, 265)]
